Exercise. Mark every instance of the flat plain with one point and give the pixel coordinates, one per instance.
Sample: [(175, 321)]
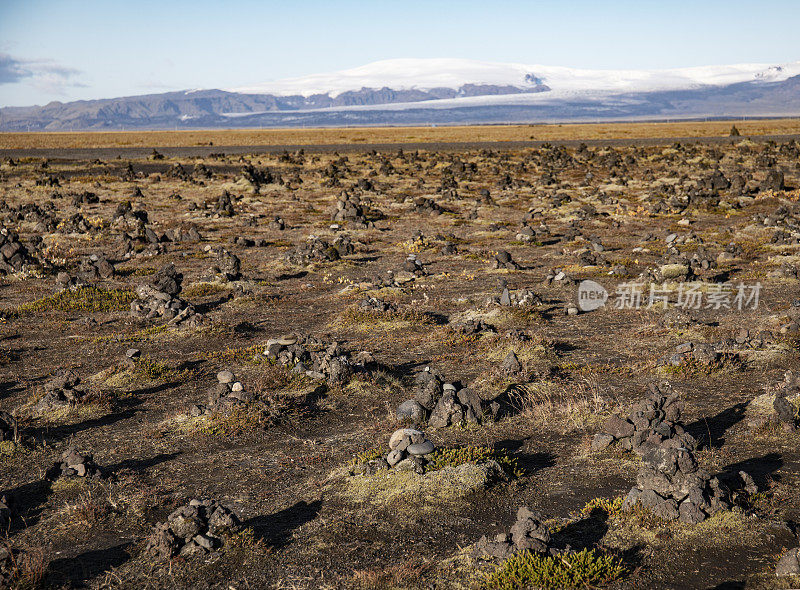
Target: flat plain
[(243, 329)]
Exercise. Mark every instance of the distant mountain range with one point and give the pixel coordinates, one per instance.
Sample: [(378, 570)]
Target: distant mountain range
[(439, 91)]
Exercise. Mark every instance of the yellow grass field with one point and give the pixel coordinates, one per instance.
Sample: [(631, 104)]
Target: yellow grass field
[(242, 137)]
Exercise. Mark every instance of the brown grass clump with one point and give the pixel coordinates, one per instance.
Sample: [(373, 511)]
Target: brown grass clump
[(566, 406)]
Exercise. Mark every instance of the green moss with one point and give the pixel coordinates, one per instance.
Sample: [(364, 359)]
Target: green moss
[(585, 569), (86, 299), (442, 457), (135, 272), (241, 419), (204, 289), (239, 355), (611, 506), (367, 456)]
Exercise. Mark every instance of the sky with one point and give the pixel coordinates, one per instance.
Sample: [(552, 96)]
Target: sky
[(76, 50)]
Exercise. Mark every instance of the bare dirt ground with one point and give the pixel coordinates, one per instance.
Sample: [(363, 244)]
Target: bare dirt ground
[(252, 237)]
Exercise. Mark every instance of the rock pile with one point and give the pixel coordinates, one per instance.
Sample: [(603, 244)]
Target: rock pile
[(318, 250), (414, 265), (518, 298), (472, 326), (778, 406), (62, 390), (194, 529), (407, 451), (699, 352), (227, 266), (444, 404), (316, 358), (789, 563), (224, 205), (75, 464), (227, 394), (183, 234), (159, 298), (95, 267), (13, 255), (9, 429), (672, 486), (350, 208), (651, 422), (527, 534), (372, 304), (503, 260)]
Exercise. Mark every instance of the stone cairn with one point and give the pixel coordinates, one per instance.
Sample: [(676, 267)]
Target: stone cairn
[(784, 409), (671, 486), (443, 404), (13, 255), (159, 298), (518, 298), (503, 260), (62, 390), (224, 205), (227, 266), (316, 358), (651, 421), (414, 265), (372, 304), (473, 326), (349, 208), (407, 451), (223, 397), (318, 250), (9, 428), (699, 352), (194, 529), (527, 534), (776, 406), (75, 464)]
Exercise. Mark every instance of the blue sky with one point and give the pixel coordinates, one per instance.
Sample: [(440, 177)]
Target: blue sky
[(70, 50)]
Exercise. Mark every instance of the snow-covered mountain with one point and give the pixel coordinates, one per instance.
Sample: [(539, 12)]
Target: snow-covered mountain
[(441, 91), (430, 74)]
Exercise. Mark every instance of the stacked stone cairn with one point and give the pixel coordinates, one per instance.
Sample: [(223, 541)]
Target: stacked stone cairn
[(652, 420), (13, 255), (407, 451), (699, 352), (318, 250), (62, 390), (527, 534), (75, 464), (225, 396), (503, 260), (784, 412), (95, 267), (349, 208), (195, 529), (518, 298), (316, 358), (672, 486), (227, 266), (443, 404), (159, 298)]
